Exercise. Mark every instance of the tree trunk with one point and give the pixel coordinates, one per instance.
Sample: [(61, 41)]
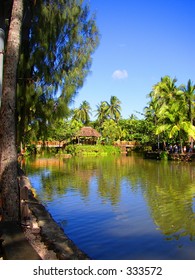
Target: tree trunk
[(8, 149)]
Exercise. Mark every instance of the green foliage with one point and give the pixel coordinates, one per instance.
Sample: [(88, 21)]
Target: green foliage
[(111, 131), (102, 114), (83, 113), (114, 108), (70, 149), (164, 155), (58, 41), (62, 130), (171, 109), (92, 150), (30, 150), (106, 110)]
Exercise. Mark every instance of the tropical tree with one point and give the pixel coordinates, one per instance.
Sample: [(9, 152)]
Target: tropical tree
[(8, 151), (173, 119), (162, 97), (189, 99), (114, 108), (58, 39), (111, 131), (151, 117), (164, 91), (64, 130), (56, 55), (83, 113), (102, 112), (162, 94)]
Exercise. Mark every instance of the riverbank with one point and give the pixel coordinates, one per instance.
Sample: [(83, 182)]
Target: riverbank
[(41, 231), (158, 155), (55, 243)]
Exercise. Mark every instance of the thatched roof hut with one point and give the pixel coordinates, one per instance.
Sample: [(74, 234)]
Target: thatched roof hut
[(88, 133)]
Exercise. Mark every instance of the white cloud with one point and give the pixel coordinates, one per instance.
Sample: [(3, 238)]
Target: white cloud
[(120, 74)]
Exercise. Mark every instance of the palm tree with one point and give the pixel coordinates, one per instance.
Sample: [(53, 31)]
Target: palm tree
[(114, 108), (164, 91), (164, 97), (82, 113), (151, 115), (189, 99), (111, 131), (174, 121), (189, 95), (102, 112)]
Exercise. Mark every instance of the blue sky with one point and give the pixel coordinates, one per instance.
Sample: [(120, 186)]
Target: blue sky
[(141, 41)]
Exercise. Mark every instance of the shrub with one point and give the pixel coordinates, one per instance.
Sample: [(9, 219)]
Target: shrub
[(92, 150)]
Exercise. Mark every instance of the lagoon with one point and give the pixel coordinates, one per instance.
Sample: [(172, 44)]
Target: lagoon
[(120, 207)]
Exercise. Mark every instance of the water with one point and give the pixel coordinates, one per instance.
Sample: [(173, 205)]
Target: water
[(121, 208)]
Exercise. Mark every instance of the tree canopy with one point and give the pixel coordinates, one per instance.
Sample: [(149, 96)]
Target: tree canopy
[(48, 54), (58, 40)]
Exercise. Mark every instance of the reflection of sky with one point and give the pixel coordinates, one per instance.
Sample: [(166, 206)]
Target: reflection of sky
[(36, 182), (107, 230)]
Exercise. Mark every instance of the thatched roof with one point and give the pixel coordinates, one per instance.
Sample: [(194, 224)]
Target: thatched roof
[(88, 131)]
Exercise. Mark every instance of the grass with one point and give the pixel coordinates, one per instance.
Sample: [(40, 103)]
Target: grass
[(92, 150)]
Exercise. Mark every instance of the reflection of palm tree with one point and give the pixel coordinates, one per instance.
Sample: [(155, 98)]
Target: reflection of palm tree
[(168, 188), (175, 216), (82, 113)]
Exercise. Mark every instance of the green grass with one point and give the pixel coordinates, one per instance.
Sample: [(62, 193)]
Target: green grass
[(92, 150)]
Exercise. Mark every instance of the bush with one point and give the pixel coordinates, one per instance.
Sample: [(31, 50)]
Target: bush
[(70, 149), (30, 150), (92, 150), (164, 155)]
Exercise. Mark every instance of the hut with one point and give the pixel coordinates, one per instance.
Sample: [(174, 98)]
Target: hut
[(88, 135)]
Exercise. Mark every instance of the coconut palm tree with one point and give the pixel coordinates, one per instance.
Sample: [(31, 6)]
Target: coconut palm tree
[(174, 121), (164, 91), (83, 113), (189, 99), (189, 96), (114, 108), (102, 112), (164, 96)]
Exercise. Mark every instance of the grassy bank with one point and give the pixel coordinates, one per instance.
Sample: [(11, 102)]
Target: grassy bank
[(90, 150)]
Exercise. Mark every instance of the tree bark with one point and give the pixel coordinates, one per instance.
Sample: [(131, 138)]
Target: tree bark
[(8, 150)]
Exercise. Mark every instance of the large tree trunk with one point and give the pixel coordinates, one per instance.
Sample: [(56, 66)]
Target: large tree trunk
[(8, 149)]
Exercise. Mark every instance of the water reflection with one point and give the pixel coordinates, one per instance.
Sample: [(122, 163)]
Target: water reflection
[(166, 188)]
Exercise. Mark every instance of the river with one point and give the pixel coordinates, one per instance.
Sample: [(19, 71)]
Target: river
[(120, 207)]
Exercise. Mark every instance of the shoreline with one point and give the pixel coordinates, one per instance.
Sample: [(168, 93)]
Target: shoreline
[(44, 234)]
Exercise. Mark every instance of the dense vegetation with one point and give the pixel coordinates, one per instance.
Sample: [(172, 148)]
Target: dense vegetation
[(54, 61), (48, 54), (92, 150), (168, 118)]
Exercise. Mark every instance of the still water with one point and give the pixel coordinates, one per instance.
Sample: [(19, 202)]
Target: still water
[(120, 208)]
